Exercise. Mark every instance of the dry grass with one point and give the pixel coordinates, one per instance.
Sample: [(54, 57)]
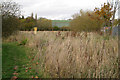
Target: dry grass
[(68, 54)]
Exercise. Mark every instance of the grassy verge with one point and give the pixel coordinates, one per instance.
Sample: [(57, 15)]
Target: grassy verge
[(17, 62)]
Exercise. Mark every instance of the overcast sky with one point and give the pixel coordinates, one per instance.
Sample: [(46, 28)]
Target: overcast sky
[(57, 9)]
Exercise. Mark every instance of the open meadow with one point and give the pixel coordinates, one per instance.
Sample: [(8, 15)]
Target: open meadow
[(59, 39), (65, 54)]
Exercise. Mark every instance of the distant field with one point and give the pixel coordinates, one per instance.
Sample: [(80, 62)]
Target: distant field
[(60, 23), (68, 54)]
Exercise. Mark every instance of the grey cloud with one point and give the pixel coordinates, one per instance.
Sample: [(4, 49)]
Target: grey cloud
[(56, 9)]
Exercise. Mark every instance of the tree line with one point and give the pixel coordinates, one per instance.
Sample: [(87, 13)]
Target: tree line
[(87, 21), (12, 21), (42, 24)]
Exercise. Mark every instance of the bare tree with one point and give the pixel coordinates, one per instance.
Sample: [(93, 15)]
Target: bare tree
[(114, 5), (10, 9), (10, 13)]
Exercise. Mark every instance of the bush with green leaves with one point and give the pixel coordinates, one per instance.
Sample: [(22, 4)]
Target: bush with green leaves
[(23, 42), (56, 28), (44, 24), (86, 21), (27, 24)]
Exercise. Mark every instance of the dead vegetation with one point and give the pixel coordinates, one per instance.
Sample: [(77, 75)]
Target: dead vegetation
[(74, 55)]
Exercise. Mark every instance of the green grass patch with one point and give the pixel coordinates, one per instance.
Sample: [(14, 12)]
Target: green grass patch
[(15, 55)]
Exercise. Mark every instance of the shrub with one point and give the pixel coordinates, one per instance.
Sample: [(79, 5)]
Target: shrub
[(23, 42), (44, 24), (86, 21), (56, 28)]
